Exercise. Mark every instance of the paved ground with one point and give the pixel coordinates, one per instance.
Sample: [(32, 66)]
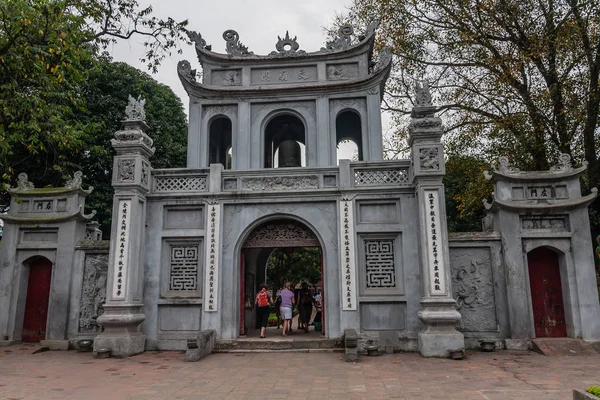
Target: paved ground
[(164, 375)]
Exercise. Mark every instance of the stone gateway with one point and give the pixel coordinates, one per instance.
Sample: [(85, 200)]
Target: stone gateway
[(190, 246)]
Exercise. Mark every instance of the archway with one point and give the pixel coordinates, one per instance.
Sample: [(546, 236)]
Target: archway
[(280, 129), (276, 238), (219, 145), (546, 293), (37, 300), (348, 128)]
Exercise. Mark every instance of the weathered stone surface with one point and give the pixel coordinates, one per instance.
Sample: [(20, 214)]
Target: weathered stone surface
[(205, 343)]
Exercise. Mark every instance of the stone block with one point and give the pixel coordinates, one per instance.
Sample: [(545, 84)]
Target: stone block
[(351, 355), (438, 344), (388, 340), (205, 343), (518, 344), (121, 346), (55, 344), (583, 395)]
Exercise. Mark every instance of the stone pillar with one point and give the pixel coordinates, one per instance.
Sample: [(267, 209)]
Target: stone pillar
[(131, 178), (438, 313)]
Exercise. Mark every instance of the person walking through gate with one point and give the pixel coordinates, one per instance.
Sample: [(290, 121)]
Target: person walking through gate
[(305, 307), (263, 302), (287, 301)]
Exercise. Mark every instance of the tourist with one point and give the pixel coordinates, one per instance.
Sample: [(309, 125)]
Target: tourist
[(287, 301), (305, 307), (278, 307), (263, 302)]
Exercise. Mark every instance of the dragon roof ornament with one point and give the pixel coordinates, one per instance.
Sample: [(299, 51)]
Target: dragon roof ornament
[(198, 40), (342, 42), (135, 109), (233, 46)]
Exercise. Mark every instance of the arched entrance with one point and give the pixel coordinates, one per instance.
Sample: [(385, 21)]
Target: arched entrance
[(276, 236), (38, 296), (546, 293)]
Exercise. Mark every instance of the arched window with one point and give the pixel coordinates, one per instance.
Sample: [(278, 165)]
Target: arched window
[(285, 140), (219, 142), (348, 129)]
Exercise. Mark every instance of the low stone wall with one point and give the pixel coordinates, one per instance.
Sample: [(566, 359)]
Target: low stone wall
[(203, 346)]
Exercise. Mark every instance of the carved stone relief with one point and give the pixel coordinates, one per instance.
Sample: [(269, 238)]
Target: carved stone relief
[(550, 222), (233, 46), (145, 172), (226, 77), (281, 233), (308, 107), (429, 159), (340, 72), (287, 46), (329, 181), (93, 292), (473, 289), (278, 76), (358, 104), (230, 184), (135, 109), (211, 110), (280, 183), (126, 170), (342, 42)]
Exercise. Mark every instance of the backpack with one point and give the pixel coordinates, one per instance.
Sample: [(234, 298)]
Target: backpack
[(262, 298)]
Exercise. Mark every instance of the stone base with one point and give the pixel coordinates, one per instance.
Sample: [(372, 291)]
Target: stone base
[(518, 344), (121, 346), (55, 344), (438, 344), (6, 343), (205, 344), (583, 395)]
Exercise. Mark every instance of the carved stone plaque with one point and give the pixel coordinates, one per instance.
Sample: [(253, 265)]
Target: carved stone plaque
[(281, 233), (435, 258), (547, 222), (213, 253), (93, 292), (126, 170), (280, 182), (347, 255), (473, 289), (342, 72), (281, 76), (122, 250)]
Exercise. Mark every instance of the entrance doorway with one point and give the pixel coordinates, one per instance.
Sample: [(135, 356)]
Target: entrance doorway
[(546, 293), (36, 304), (276, 252)]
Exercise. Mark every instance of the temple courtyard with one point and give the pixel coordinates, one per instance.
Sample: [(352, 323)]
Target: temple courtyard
[(165, 375)]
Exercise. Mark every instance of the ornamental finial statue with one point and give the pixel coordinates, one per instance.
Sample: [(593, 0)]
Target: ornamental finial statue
[(423, 95), (135, 109)]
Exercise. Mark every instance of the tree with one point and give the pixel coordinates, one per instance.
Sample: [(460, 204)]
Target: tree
[(304, 264), (46, 47), (513, 77), (107, 90), (465, 187)]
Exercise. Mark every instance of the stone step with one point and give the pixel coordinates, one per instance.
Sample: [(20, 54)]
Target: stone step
[(295, 344), (563, 347)]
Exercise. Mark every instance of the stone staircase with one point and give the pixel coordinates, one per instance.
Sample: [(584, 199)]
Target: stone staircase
[(277, 344), (563, 347)]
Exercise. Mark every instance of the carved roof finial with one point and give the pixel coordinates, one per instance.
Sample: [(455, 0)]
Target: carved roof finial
[(287, 45), (505, 167), (135, 109), (198, 40), (233, 46), (564, 164), (343, 41), (23, 182), (422, 95)]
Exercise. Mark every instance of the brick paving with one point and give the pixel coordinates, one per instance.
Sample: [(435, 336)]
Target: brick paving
[(164, 375)]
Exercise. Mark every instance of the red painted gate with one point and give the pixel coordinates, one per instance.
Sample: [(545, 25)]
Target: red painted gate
[(36, 305), (546, 293)]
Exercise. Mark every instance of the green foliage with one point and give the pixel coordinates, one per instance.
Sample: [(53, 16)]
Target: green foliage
[(304, 264), (465, 188), (595, 390), (47, 48), (107, 91)]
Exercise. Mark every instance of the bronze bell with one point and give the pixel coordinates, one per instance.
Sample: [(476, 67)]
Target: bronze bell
[(289, 154)]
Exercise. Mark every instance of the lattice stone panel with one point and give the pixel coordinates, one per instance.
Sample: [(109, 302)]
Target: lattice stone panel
[(395, 176), (379, 262), (184, 268), (180, 184)]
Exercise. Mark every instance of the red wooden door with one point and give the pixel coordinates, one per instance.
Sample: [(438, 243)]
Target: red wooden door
[(36, 305), (546, 294), (242, 295)]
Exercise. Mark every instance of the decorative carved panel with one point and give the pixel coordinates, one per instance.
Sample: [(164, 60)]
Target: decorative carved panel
[(165, 184), (341, 72), (473, 289), (379, 264), (280, 183), (281, 233), (429, 159), (93, 292), (183, 268), (126, 170), (390, 176), (226, 77), (549, 222)]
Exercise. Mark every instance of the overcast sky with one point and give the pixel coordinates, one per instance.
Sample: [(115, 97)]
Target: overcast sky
[(258, 23)]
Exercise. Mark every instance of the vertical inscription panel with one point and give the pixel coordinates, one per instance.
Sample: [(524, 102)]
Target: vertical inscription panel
[(347, 255), (213, 251), (122, 250), (435, 258)]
